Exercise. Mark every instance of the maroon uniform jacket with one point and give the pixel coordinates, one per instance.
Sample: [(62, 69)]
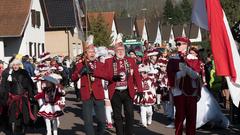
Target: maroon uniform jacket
[(97, 87), (106, 72), (173, 68)]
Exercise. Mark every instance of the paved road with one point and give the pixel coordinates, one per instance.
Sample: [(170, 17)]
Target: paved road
[(72, 124)]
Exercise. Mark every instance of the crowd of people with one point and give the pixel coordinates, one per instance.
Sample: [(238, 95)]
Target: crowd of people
[(109, 82)]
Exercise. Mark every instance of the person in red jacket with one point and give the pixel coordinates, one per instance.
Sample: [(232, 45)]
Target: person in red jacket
[(183, 79), (92, 93), (122, 73)]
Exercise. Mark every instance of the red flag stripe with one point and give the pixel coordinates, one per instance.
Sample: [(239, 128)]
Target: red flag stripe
[(220, 42)]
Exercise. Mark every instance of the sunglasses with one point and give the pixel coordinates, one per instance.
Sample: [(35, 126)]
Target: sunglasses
[(144, 72), (179, 44)]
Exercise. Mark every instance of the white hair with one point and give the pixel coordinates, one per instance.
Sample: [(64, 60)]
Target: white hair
[(15, 61)]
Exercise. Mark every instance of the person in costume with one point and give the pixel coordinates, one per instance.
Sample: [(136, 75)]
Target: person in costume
[(20, 93), (152, 63), (53, 99), (102, 54), (208, 109), (92, 93), (184, 82), (149, 96), (123, 75), (163, 93), (76, 83)]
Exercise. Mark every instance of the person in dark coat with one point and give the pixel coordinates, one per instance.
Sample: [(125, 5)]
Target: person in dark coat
[(19, 87), (28, 66)]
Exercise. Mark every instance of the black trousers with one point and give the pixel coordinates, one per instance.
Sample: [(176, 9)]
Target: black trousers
[(76, 89), (118, 100)]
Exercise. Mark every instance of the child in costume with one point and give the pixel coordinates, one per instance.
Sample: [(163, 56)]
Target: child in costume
[(53, 99), (149, 96)]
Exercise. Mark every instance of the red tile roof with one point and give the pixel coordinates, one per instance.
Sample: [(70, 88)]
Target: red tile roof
[(107, 16), (14, 15)]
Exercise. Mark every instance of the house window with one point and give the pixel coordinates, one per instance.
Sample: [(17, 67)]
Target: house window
[(30, 49), (36, 18), (39, 49), (35, 49), (74, 49), (43, 48)]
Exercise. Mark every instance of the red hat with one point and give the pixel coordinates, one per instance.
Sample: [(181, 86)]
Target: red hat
[(182, 39), (42, 67), (44, 56)]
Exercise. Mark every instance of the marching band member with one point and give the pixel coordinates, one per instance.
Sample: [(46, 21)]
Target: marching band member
[(92, 93), (123, 75), (183, 79), (149, 96)]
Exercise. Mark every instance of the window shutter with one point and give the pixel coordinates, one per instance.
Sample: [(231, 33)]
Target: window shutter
[(43, 48), (33, 16), (38, 19), (39, 49), (30, 49), (35, 49)]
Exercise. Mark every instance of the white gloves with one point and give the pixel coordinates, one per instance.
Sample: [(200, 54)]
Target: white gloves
[(61, 101)]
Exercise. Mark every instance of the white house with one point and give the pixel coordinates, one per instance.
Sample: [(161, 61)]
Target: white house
[(21, 28)]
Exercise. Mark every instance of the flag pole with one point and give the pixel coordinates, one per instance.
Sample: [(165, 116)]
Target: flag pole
[(84, 37), (85, 46), (189, 34), (188, 47), (86, 64)]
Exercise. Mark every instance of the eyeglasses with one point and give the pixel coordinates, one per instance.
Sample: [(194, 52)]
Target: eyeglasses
[(179, 44)]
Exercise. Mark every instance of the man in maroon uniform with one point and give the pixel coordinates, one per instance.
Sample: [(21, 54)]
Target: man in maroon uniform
[(92, 93), (183, 79), (123, 74)]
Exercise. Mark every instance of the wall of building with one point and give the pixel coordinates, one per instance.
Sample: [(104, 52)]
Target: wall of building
[(58, 43)]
